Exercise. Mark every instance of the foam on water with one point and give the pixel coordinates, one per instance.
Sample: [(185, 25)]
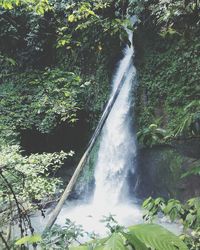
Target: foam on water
[(90, 216)]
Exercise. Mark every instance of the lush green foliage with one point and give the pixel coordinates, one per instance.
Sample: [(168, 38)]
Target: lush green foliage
[(27, 182), (187, 214), (169, 87), (169, 16), (40, 99), (66, 37), (168, 64), (37, 6), (190, 120), (139, 237), (21, 171), (194, 170), (61, 237), (84, 19)]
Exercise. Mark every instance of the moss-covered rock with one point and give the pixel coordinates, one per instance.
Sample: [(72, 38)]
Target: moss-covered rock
[(160, 170)]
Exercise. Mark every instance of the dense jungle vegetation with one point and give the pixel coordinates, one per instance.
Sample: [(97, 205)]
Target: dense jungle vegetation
[(57, 58)]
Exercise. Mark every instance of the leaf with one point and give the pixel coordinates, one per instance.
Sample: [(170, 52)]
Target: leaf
[(7, 5), (157, 237), (135, 242), (115, 242), (96, 244), (171, 204), (147, 201), (190, 219), (153, 126), (29, 239), (193, 171), (71, 18), (11, 61)]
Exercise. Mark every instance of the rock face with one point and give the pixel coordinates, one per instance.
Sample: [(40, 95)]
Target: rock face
[(160, 168)]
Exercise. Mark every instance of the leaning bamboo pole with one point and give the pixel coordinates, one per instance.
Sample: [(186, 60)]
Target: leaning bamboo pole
[(83, 160)]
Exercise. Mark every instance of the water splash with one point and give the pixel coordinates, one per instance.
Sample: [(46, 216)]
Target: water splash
[(117, 146)]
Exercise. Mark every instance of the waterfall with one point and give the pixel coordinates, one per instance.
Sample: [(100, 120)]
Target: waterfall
[(117, 145), (116, 157)]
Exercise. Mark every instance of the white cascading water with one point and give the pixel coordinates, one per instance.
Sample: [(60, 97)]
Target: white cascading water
[(117, 146), (115, 159)]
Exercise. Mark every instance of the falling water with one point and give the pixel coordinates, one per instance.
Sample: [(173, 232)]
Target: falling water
[(116, 158), (117, 146)]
